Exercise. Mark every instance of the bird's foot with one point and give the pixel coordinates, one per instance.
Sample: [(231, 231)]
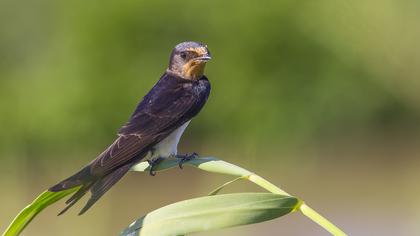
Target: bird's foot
[(153, 163), (185, 158)]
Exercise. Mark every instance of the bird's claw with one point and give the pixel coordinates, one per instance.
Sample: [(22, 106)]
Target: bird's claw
[(185, 158), (153, 163)]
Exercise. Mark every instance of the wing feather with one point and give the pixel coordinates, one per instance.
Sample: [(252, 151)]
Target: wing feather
[(170, 103)]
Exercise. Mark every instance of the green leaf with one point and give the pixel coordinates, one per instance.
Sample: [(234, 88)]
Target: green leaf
[(212, 212), (29, 212), (218, 189), (210, 164)]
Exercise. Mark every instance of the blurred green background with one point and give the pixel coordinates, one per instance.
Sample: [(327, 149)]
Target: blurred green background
[(320, 97)]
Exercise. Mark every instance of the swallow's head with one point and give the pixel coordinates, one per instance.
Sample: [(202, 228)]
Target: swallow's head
[(188, 60)]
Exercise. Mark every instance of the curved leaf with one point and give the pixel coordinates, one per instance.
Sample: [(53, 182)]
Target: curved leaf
[(210, 164), (212, 212), (29, 212), (218, 189)]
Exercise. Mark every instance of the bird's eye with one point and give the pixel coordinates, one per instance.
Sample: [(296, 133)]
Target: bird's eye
[(183, 55)]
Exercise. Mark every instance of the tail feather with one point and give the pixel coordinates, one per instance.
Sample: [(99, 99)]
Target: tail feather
[(80, 178), (76, 197), (80, 193), (101, 186), (98, 186)]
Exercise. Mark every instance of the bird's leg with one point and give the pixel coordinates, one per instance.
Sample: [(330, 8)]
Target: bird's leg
[(153, 163), (184, 158)]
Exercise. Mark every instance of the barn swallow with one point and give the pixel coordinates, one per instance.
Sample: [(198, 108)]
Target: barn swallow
[(154, 129)]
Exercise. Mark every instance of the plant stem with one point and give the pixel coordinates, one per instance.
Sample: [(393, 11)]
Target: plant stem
[(266, 185), (305, 209), (320, 220)]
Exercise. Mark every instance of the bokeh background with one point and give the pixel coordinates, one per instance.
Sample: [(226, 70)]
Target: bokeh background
[(320, 97)]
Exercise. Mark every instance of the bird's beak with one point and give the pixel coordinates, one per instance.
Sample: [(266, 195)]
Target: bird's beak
[(203, 58), (194, 69)]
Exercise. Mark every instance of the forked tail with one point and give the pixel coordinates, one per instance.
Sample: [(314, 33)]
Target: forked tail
[(98, 186)]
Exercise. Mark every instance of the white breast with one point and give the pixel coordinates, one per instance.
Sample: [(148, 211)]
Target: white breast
[(169, 145)]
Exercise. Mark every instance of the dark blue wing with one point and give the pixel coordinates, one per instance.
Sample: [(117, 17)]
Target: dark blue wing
[(172, 102)]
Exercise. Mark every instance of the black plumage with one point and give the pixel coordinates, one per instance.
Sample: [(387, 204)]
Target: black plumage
[(173, 101)]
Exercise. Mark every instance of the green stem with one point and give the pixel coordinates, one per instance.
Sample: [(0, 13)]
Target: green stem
[(265, 184), (305, 209), (320, 220)]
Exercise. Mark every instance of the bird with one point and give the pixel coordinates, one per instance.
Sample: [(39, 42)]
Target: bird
[(154, 128)]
